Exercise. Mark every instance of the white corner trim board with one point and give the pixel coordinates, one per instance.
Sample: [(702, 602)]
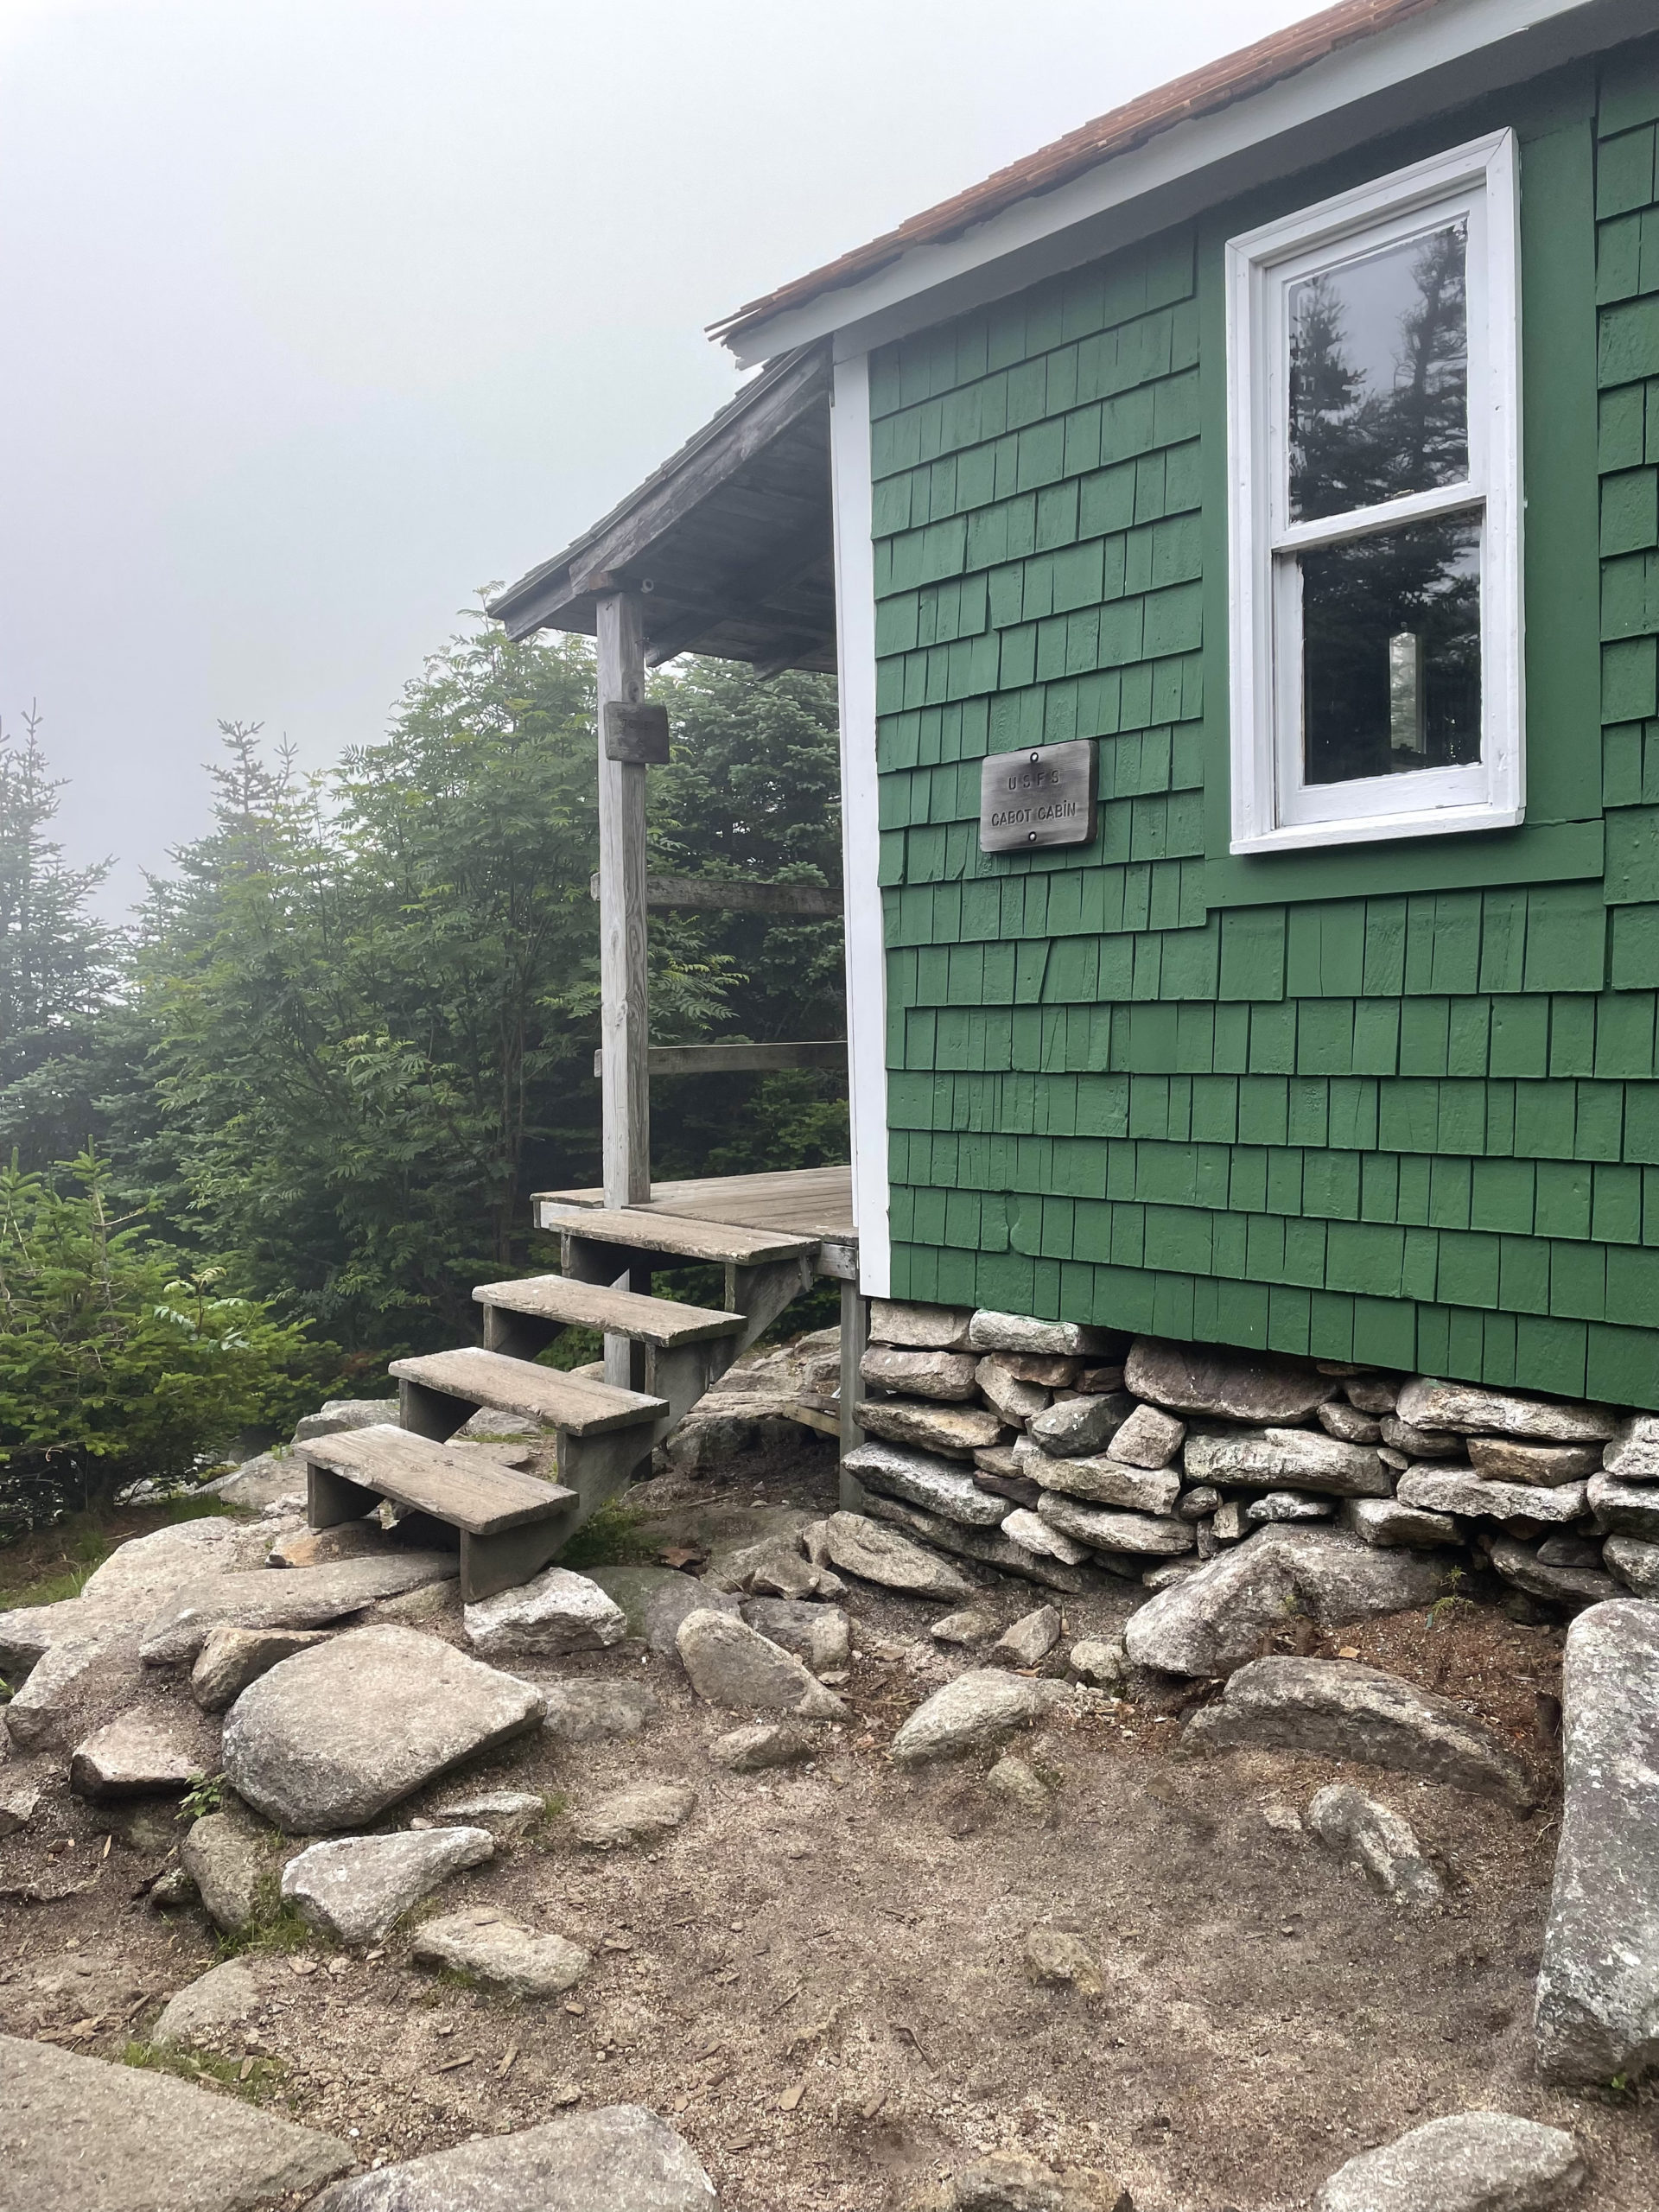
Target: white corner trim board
[(860, 836), (1288, 788)]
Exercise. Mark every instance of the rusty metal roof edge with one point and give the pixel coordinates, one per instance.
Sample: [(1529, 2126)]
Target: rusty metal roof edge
[(1206, 90)]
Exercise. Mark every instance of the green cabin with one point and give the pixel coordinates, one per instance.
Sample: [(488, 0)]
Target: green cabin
[(1286, 445)]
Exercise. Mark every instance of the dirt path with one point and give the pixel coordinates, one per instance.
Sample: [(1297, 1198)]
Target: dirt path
[(820, 1980)]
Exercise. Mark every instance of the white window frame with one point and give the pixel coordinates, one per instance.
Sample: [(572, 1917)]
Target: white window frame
[(1273, 810)]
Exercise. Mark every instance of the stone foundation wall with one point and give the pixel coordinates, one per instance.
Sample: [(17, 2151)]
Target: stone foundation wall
[(1055, 1450)]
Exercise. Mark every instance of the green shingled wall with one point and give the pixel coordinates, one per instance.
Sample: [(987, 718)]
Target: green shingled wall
[(1398, 1105)]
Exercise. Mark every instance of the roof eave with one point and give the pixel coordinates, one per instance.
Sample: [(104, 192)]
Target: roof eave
[(1432, 47), (559, 593)]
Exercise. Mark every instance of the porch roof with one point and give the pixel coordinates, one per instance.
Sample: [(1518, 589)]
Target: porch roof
[(729, 544)]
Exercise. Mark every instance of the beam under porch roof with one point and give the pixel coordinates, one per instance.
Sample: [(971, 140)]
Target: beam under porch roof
[(730, 545)]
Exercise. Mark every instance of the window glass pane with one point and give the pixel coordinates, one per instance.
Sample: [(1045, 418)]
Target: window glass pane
[(1391, 652), (1379, 375)]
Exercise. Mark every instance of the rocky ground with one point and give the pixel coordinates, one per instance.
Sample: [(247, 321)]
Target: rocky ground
[(844, 1980)]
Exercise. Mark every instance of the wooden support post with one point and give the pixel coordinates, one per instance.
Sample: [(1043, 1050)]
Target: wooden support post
[(518, 1336), (855, 1336), (624, 1008), (332, 1499), (428, 1413), (624, 1017)]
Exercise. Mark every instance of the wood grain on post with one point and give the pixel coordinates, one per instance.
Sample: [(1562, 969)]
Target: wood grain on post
[(624, 1006), (624, 1016)]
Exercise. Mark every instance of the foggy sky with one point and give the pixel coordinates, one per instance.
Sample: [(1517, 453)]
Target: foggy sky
[(318, 314)]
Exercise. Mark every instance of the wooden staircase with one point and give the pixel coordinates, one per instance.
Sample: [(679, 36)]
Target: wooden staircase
[(512, 1524)]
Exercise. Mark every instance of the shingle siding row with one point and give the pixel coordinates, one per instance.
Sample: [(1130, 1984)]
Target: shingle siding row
[(1419, 1129)]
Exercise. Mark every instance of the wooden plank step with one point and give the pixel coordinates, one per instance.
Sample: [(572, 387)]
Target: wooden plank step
[(673, 1233), (473, 1493), (659, 1321), (519, 1386)]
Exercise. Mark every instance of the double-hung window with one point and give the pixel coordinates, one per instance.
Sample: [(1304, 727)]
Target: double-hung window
[(1374, 510)]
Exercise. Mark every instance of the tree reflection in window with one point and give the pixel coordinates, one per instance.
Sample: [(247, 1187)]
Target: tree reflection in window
[(1379, 377), (1391, 652), (1379, 411)]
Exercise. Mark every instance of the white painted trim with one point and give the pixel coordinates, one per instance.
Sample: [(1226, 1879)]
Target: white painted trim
[(1272, 810), (860, 839), (1457, 32), (1373, 828), (1360, 522)]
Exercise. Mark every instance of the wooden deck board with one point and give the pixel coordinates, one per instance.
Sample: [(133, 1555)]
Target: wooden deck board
[(669, 1239), (793, 1202)]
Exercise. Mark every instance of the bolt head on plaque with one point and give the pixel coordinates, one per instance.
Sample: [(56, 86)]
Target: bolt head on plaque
[(1041, 795), (637, 733)]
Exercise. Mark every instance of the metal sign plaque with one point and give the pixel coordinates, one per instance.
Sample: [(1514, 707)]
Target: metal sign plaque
[(1043, 795), (635, 732)]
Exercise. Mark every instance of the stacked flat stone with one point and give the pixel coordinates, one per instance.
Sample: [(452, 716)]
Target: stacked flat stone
[(1050, 1449)]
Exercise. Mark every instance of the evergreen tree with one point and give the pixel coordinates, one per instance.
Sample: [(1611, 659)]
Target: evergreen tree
[(366, 1004), (57, 960), (753, 791), (360, 1014), (364, 997)]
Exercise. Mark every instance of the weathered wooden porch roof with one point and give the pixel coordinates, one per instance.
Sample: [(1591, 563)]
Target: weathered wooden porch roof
[(730, 544)]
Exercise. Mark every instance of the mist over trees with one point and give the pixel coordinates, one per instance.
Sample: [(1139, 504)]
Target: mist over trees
[(352, 1027)]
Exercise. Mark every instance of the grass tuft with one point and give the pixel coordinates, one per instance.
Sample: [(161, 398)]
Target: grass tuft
[(53, 1590), (85, 1541), (206, 2066), (276, 1925), (611, 1538), (543, 1832)]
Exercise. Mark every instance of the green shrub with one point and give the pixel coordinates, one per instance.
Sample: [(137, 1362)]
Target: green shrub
[(117, 1363), (204, 1796)]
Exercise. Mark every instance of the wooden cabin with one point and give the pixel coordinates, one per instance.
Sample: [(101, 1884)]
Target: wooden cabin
[(1236, 531)]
